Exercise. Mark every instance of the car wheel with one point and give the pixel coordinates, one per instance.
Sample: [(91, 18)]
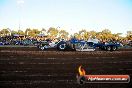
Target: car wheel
[(62, 46), (108, 48), (114, 48), (42, 48)]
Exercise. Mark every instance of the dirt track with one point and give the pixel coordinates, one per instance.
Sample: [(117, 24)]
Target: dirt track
[(31, 68)]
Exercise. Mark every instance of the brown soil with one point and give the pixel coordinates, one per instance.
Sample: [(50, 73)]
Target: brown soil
[(28, 67)]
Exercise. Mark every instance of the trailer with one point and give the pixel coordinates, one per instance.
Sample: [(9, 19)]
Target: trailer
[(90, 45)]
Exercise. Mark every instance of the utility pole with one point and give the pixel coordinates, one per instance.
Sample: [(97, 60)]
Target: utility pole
[(20, 3)]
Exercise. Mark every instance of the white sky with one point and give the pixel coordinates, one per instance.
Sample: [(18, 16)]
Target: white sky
[(71, 15)]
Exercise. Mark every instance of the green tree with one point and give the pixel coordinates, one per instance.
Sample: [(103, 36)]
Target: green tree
[(33, 32), (5, 32), (63, 34), (27, 31), (83, 33), (52, 32), (116, 36), (92, 34), (106, 31), (99, 35), (14, 32), (86, 35), (129, 35), (20, 32), (77, 35), (43, 31), (106, 34)]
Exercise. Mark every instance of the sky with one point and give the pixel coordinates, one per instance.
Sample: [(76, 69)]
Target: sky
[(71, 15)]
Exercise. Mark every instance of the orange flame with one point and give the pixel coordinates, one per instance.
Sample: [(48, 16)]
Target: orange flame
[(81, 71)]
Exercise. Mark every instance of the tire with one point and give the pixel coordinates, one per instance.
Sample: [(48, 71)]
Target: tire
[(108, 48), (38, 46), (42, 48), (62, 46), (114, 48)]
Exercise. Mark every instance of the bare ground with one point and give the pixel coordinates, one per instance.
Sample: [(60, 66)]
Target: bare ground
[(32, 68)]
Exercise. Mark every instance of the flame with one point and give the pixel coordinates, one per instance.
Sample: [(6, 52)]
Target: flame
[(81, 71)]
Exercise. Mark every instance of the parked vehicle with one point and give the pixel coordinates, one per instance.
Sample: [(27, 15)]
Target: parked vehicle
[(130, 43), (1, 43), (6, 43), (27, 42)]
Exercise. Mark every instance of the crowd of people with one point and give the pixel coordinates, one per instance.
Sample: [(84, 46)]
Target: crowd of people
[(19, 40), (27, 40)]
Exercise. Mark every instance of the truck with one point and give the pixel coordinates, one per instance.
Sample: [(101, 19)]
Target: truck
[(79, 45)]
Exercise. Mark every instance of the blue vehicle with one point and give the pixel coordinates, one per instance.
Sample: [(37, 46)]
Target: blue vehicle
[(79, 45), (107, 46), (1, 43), (90, 45)]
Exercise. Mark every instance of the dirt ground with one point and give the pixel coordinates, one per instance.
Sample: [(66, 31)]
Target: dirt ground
[(31, 68)]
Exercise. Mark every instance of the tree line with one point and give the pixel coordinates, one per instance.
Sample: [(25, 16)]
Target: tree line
[(52, 33)]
